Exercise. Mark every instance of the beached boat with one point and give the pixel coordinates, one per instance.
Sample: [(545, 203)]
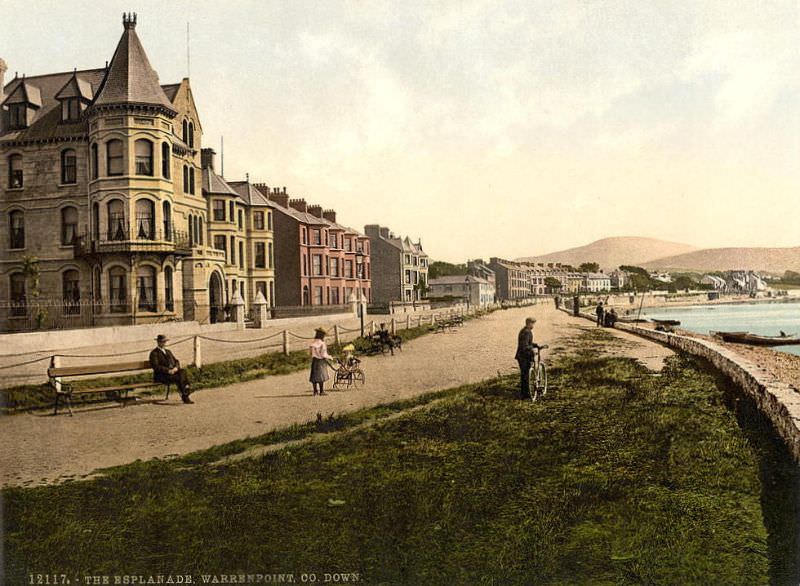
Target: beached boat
[(665, 322), (756, 340)]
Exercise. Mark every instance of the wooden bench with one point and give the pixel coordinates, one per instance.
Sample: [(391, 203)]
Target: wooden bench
[(443, 324), (56, 374)]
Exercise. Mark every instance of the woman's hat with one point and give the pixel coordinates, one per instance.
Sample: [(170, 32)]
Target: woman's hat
[(161, 338), (322, 331), (349, 348)]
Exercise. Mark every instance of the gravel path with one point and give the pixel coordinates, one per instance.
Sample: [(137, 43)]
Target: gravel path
[(39, 448)]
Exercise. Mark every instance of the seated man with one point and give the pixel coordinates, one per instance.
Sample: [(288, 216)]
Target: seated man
[(167, 369)]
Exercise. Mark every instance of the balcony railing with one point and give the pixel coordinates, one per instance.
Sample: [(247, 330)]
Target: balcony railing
[(123, 240)]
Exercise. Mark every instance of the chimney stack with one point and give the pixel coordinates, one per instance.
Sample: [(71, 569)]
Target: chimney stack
[(3, 69), (315, 210), (384, 232), (207, 158), (329, 215), (298, 204)]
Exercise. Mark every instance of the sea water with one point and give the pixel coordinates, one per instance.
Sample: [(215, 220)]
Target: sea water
[(767, 319)]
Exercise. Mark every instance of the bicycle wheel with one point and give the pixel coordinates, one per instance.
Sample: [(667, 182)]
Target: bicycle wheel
[(532, 388), (541, 380)]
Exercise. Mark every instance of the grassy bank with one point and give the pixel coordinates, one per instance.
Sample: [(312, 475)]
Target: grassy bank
[(619, 477), (218, 374)]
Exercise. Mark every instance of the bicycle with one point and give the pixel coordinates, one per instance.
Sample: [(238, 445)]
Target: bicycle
[(537, 378)]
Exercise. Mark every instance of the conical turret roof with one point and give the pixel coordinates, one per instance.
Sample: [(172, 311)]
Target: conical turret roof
[(130, 78)]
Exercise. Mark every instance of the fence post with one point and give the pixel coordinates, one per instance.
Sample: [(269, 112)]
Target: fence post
[(408, 321), (286, 341), (336, 334), (55, 362), (394, 326), (198, 355)]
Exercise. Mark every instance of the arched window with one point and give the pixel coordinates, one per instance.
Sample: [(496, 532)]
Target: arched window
[(71, 292), (96, 220), (241, 254), (191, 180), (146, 288), (69, 225), (197, 229), (185, 179), (114, 160), (166, 159), (191, 230), (166, 211), (145, 219), (118, 290), (69, 166), (191, 135), (95, 162), (185, 132), (15, 175), (117, 228), (17, 294), (144, 157), (16, 221), (200, 228), (306, 299), (169, 300)]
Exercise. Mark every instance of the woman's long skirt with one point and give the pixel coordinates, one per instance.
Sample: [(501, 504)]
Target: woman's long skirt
[(319, 370)]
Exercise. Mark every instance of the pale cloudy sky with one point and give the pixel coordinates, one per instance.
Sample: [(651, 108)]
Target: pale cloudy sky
[(483, 127)]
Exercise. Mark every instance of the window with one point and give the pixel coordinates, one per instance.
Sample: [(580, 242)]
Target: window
[(17, 114), (261, 287), (317, 295), (165, 160), (146, 288), (185, 179), (96, 221), (96, 285), (219, 210), (334, 267), (191, 135), (305, 295), (408, 277), (271, 256), (348, 269), (145, 219), (335, 296), (15, 175), (16, 221), (271, 297), (117, 229), (185, 135), (191, 180), (241, 219), (332, 240), (69, 164), (233, 250), (258, 220), (219, 243), (169, 300), (191, 231), (304, 235), (114, 157), (118, 290), (348, 245), (200, 228), (305, 264), (71, 292), (144, 157), (317, 237), (17, 294), (260, 260), (269, 220), (69, 225), (166, 211), (241, 254), (95, 162), (316, 265), (70, 109), (232, 213)]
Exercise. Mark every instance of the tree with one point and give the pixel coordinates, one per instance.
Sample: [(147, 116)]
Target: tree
[(589, 267), (552, 283), (443, 269)]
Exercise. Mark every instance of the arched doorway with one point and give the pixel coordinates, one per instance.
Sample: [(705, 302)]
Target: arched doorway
[(215, 298)]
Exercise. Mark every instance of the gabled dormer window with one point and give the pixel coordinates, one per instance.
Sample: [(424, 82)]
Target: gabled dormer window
[(70, 110), (17, 114)]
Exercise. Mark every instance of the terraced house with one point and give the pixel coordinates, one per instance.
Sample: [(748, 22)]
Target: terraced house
[(108, 215)]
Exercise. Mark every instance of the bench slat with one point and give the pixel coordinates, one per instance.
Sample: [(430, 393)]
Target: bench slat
[(97, 369), (111, 389)]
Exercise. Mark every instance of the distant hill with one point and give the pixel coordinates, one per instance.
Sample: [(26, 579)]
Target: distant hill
[(610, 253), (774, 260)]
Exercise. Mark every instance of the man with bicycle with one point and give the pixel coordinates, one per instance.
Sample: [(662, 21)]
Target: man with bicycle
[(525, 356)]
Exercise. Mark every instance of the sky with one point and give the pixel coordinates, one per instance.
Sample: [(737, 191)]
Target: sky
[(484, 128)]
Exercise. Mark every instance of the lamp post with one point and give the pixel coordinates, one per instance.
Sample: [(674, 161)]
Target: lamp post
[(360, 296), (467, 291)]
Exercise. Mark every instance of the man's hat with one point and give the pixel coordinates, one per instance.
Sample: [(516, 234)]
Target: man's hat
[(161, 338), (322, 331), (530, 320)]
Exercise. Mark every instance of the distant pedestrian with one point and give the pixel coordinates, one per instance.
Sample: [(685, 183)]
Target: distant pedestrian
[(600, 312), (557, 301), (167, 369), (319, 361), (524, 357)]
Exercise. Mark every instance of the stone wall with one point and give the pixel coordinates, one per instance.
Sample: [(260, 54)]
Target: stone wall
[(779, 401)]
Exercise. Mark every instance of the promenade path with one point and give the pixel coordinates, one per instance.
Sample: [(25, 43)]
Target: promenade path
[(38, 448)]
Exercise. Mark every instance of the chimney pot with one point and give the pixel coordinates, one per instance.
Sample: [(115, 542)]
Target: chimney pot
[(329, 215), (207, 158)]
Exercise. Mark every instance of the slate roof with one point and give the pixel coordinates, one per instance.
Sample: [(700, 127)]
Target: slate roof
[(131, 79), (215, 185), (47, 122), (456, 280), (171, 90), (251, 196)]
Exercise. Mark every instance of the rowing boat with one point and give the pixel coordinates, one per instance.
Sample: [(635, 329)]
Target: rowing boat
[(757, 340), (665, 322)]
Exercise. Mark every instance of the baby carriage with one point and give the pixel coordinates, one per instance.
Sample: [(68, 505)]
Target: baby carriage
[(348, 370)]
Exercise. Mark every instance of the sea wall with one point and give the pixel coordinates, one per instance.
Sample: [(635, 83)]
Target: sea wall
[(779, 401)]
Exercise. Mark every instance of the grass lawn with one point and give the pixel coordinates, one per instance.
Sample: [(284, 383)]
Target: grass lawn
[(618, 477)]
